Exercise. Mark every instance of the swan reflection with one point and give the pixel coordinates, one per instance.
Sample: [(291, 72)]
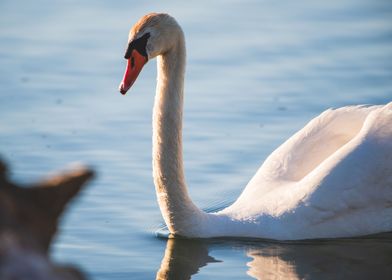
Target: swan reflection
[(183, 258), (366, 258)]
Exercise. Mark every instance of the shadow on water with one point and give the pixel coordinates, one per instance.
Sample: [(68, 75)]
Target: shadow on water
[(357, 258)]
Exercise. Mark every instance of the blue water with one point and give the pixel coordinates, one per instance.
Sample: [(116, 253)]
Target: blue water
[(257, 72)]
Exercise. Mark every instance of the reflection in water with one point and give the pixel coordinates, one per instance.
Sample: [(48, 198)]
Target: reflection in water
[(339, 259), (183, 258), (365, 258), (269, 266)]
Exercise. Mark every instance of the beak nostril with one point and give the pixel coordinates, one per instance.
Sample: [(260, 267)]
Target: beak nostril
[(132, 62)]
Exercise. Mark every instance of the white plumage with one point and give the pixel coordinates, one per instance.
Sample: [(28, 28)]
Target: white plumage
[(333, 178)]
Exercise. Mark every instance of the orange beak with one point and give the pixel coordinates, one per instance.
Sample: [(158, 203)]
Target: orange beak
[(135, 64)]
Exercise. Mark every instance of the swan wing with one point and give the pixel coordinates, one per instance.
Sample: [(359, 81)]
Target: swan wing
[(310, 146), (357, 179), (313, 163)]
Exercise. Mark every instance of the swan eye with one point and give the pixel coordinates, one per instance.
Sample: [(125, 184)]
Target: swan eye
[(139, 45)]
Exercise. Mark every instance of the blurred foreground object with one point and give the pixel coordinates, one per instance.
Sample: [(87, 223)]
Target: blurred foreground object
[(29, 217)]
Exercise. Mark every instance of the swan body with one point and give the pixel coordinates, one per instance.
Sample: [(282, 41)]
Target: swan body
[(333, 178)]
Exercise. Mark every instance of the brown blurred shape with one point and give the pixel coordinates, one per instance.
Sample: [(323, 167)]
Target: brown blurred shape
[(29, 217)]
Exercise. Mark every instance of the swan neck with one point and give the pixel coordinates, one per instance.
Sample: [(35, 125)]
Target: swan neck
[(169, 179)]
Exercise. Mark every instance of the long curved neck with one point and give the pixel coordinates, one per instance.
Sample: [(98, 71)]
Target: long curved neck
[(178, 211)]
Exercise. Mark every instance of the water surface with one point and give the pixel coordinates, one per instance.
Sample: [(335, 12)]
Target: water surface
[(257, 72)]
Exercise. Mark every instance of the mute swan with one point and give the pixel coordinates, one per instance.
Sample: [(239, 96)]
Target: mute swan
[(333, 178)]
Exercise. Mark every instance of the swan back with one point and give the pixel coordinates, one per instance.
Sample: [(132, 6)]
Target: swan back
[(345, 191)]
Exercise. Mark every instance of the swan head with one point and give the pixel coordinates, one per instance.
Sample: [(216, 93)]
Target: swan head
[(154, 34)]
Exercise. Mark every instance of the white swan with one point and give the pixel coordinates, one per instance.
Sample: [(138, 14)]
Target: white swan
[(331, 179)]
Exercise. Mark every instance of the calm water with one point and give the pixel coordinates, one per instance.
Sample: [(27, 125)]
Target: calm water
[(257, 72)]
